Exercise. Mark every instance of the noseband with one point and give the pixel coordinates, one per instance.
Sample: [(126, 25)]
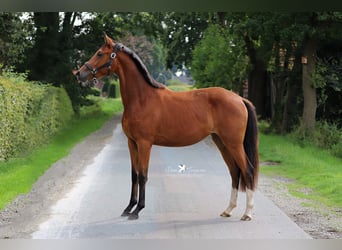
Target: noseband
[(108, 64)]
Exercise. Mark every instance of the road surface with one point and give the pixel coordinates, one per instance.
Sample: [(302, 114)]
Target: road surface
[(181, 201)]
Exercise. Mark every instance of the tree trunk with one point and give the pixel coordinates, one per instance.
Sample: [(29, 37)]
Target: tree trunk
[(258, 80), (290, 106), (277, 118), (309, 91), (294, 91), (279, 82), (42, 56), (257, 89)]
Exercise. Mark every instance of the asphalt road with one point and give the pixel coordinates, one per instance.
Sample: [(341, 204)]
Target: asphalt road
[(180, 203)]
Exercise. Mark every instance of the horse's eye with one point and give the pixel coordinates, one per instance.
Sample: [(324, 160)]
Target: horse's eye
[(99, 54)]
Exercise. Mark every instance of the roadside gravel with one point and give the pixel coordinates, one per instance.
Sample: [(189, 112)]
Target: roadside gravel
[(319, 221)]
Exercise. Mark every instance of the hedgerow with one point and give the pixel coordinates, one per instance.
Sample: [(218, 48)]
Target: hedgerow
[(30, 113)]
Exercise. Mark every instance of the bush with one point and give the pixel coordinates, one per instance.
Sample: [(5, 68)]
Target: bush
[(326, 135), (30, 113), (336, 149), (110, 89)]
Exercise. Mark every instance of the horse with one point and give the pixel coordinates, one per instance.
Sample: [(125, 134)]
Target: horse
[(155, 115)]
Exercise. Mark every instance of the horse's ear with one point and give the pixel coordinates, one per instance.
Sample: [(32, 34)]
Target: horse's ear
[(107, 39)]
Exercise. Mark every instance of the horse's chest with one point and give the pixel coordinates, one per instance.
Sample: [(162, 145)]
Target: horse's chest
[(134, 127)]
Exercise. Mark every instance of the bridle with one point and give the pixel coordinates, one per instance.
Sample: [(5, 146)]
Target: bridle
[(117, 47)]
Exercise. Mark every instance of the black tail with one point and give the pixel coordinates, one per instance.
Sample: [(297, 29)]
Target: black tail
[(250, 144)]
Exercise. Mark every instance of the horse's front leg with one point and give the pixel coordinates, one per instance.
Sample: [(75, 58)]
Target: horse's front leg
[(134, 192), (144, 150)]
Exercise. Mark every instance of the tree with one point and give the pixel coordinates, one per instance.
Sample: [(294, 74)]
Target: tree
[(218, 60), (317, 29), (14, 39), (328, 80), (158, 68), (309, 90), (276, 43), (257, 31), (44, 55), (182, 31), (50, 58)]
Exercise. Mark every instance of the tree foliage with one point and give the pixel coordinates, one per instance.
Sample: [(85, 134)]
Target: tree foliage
[(14, 39), (222, 49), (182, 31), (218, 60), (275, 44)]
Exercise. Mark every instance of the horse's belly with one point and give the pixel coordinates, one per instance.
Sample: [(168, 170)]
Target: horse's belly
[(180, 139)]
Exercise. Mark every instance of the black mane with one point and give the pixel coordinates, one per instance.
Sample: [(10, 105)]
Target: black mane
[(142, 68)]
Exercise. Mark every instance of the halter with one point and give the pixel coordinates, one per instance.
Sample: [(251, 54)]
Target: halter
[(108, 64)]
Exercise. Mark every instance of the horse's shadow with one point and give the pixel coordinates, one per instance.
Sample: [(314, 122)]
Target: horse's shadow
[(121, 228)]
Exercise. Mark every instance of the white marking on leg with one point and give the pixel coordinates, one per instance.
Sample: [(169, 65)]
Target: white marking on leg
[(249, 205), (232, 203)]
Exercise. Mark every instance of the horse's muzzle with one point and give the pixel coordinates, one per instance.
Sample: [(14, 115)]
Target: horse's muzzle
[(81, 75)]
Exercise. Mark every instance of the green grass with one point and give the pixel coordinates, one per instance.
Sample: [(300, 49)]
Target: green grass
[(18, 175), (180, 87), (177, 85), (316, 173)]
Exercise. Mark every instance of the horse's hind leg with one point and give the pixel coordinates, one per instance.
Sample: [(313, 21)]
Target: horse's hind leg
[(239, 156), (249, 205), (234, 173)]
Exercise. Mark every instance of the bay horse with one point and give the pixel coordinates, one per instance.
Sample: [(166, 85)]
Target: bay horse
[(155, 115)]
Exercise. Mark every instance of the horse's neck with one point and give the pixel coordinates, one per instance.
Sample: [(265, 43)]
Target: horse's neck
[(133, 87)]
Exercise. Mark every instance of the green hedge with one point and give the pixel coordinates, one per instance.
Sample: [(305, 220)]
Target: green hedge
[(30, 113)]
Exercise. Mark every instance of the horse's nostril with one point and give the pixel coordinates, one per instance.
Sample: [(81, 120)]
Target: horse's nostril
[(76, 73)]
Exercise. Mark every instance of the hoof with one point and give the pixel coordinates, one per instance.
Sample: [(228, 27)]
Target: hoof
[(125, 214), (246, 217), (225, 214), (133, 217)]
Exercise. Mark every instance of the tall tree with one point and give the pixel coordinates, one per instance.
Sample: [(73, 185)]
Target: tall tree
[(257, 30), (317, 29), (219, 60), (44, 55), (328, 78), (182, 31), (14, 39), (50, 58)]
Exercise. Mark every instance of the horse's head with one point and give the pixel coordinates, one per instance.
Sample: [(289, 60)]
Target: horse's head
[(102, 63)]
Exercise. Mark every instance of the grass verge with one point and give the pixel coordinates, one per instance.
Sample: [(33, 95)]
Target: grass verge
[(316, 174), (18, 175)]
